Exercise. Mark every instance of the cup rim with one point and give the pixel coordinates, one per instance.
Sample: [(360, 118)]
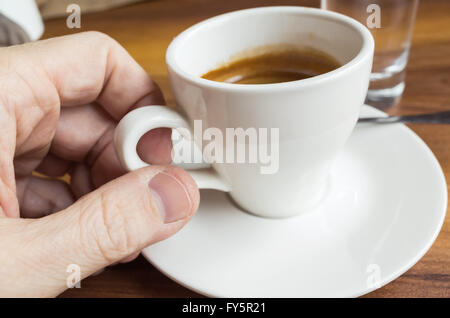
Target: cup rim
[(367, 49)]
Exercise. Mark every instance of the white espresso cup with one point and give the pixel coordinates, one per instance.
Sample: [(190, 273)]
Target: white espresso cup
[(314, 116)]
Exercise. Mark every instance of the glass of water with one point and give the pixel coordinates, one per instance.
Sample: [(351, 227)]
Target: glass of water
[(391, 23)]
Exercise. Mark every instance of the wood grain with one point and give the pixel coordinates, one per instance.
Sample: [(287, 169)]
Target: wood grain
[(146, 30)]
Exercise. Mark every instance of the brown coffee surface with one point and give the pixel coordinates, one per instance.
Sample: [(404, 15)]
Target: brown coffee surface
[(274, 67)]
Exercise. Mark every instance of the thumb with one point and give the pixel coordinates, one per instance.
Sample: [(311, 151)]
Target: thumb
[(116, 220)]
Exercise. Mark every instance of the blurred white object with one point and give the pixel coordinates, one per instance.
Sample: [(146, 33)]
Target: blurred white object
[(26, 14)]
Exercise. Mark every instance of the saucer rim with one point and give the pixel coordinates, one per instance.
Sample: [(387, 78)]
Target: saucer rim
[(408, 265), (443, 208)]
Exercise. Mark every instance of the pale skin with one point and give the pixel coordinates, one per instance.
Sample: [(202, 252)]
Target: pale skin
[(60, 100)]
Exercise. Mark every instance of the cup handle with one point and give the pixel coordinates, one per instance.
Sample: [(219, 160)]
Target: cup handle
[(141, 120)]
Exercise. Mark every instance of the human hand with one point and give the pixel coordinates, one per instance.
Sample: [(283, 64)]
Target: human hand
[(60, 101)]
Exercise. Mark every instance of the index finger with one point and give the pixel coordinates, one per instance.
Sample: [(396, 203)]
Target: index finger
[(39, 78), (102, 71)]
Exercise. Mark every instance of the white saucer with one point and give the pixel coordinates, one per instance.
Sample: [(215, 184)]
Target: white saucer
[(386, 205)]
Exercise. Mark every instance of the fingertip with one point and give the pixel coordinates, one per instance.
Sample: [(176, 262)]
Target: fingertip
[(189, 184), (155, 147), (174, 195)]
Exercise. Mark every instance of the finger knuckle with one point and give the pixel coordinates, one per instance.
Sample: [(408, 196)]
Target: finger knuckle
[(101, 41), (97, 36)]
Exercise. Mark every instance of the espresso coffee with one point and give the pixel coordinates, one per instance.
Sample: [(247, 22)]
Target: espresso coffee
[(274, 66)]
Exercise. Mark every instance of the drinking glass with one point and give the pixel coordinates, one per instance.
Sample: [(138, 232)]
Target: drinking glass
[(391, 23)]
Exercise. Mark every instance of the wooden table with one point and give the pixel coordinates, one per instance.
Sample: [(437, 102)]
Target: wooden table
[(146, 29)]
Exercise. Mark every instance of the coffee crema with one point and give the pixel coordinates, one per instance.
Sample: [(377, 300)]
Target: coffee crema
[(274, 66)]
